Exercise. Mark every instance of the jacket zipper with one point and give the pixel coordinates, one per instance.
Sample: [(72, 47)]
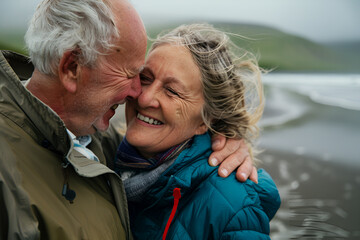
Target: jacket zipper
[(66, 191), (177, 196)]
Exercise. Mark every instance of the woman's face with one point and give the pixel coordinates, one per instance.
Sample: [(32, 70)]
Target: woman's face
[(168, 111)]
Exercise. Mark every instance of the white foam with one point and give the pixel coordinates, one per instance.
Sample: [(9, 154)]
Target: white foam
[(340, 90)]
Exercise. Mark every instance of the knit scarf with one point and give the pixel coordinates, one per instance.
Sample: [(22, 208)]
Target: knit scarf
[(127, 156), (139, 173)]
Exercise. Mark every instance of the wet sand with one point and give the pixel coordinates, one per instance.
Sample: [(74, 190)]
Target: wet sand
[(320, 200)]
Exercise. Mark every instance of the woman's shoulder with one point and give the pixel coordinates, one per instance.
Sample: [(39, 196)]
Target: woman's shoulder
[(229, 207), (241, 195)]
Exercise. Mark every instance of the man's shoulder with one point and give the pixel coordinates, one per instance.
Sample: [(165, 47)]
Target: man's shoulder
[(19, 63), (8, 131)]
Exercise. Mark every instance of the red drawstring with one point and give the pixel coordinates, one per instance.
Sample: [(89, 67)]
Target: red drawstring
[(177, 196)]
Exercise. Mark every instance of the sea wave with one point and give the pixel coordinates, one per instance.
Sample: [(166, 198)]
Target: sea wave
[(338, 90), (281, 107)]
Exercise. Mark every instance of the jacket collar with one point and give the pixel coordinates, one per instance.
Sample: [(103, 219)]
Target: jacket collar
[(27, 111), (188, 170)]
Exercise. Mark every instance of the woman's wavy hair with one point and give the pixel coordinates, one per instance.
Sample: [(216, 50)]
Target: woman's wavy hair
[(84, 26), (231, 79)]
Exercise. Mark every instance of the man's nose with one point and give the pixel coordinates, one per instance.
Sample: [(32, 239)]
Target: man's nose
[(135, 88)]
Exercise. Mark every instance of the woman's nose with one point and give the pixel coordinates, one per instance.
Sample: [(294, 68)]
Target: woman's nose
[(149, 96)]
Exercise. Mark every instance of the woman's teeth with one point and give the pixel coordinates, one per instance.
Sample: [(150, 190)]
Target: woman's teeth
[(148, 120)]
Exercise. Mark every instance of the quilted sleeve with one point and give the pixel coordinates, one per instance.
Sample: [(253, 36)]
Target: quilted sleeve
[(260, 202), (249, 223)]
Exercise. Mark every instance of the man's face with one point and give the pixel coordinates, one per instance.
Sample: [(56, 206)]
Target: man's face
[(114, 79)]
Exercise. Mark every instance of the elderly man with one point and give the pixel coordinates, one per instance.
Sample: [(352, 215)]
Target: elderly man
[(55, 137)]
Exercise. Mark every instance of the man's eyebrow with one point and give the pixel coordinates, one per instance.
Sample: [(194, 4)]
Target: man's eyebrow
[(140, 69), (135, 71)]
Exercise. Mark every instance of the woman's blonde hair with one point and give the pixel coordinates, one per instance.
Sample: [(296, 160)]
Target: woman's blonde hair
[(231, 79)]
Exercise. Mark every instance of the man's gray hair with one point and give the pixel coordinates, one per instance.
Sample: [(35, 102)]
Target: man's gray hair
[(84, 26)]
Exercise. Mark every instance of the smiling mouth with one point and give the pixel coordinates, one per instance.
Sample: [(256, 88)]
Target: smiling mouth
[(148, 120)]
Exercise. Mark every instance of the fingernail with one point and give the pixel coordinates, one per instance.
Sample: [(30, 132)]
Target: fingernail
[(224, 172), (244, 176), (215, 143), (214, 161)]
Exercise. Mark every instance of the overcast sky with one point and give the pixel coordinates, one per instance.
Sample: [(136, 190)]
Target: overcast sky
[(319, 20)]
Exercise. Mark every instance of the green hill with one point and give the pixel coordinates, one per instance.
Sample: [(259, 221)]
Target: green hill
[(276, 49), (285, 52), (13, 40)]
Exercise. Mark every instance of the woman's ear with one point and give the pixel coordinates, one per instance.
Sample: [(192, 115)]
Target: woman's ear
[(69, 68), (201, 129)]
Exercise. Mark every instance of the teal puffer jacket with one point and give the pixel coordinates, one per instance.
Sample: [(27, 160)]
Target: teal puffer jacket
[(210, 207)]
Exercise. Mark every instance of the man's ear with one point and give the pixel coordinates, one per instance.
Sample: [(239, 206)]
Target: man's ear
[(69, 68), (201, 129)]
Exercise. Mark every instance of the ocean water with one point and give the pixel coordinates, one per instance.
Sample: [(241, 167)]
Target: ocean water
[(341, 90), (313, 114)]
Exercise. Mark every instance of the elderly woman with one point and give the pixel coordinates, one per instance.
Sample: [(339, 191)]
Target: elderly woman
[(193, 85)]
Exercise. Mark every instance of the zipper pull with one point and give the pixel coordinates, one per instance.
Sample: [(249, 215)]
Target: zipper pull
[(177, 196), (66, 191)]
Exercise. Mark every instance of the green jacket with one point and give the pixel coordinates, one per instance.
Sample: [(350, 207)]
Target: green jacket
[(34, 150)]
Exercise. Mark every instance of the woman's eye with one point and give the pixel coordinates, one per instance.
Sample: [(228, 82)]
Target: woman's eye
[(172, 92), (145, 79)]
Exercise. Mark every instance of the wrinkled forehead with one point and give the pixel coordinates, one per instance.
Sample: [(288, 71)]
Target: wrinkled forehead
[(174, 61)]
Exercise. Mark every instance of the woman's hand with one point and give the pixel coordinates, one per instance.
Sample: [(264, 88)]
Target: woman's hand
[(232, 154)]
